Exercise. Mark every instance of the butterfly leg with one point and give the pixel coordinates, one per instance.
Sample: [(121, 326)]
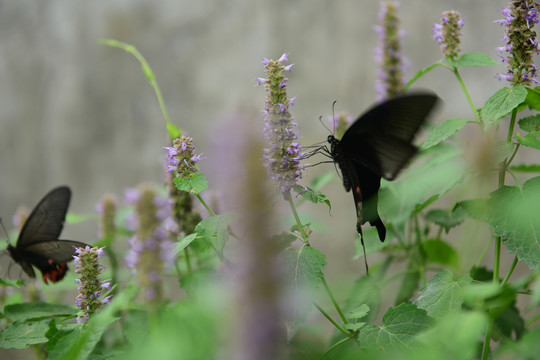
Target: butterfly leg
[(358, 199)]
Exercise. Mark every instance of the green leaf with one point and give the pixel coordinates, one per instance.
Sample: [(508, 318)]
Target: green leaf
[(447, 219), (440, 252), (443, 131), (196, 183), (305, 266), (509, 323), (528, 347), (20, 334), (359, 312), (530, 123), (454, 336), (214, 230), (533, 98), (443, 294), (400, 325), (399, 199), (312, 195), (304, 273), (409, 285), (513, 214), (37, 310), (12, 283), (529, 140), (502, 103), (184, 242), (320, 181), (421, 73), (79, 218), (525, 168), (474, 59)]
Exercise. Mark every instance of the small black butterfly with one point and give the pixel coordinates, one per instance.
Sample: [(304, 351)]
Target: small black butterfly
[(38, 243), (379, 144)]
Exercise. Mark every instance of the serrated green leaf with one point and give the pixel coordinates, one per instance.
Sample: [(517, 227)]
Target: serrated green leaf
[(443, 131), (533, 98), (37, 310), (513, 214), (196, 183), (214, 230), (354, 327), (502, 103), (399, 199), (530, 123), (184, 243), (305, 266), (400, 325), (454, 336), (447, 219), (474, 59), (440, 252), (359, 312), (409, 285), (525, 168), (443, 294), (509, 324), (312, 195), (20, 334), (529, 140)]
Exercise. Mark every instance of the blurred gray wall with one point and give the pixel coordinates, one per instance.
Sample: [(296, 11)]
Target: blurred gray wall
[(78, 113)]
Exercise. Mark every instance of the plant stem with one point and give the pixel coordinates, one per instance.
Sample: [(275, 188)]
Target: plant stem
[(325, 314), (297, 218), (342, 341), (466, 92), (512, 267), (336, 305), (487, 341)]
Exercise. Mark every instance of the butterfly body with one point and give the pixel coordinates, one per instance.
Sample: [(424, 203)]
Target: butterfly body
[(378, 145), (38, 244)]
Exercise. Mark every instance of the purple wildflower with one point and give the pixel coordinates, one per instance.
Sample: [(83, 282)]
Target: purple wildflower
[(519, 19), (181, 158), (91, 288), (390, 81), (448, 33), (282, 160), (152, 239), (106, 208)]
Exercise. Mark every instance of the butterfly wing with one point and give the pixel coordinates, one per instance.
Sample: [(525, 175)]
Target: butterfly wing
[(379, 144), (38, 243), (381, 138), (46, 221)]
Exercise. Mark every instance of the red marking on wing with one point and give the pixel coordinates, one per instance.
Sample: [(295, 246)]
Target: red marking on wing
[(56, 273)]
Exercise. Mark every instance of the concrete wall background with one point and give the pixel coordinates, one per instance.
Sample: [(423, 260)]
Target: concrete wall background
[(78, 113)]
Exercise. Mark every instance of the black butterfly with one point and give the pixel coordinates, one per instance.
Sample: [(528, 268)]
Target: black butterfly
[(378, 144), (38, 243)]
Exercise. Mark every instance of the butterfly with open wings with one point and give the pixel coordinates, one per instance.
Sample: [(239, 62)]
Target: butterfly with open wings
[(38, 245)]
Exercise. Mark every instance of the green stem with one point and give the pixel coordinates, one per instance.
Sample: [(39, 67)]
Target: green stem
[(146, 69), (205, 204), (487, 341), (512, 267), (466, 92), (325, 314), (334, 302), (297, 218), (342, 341)]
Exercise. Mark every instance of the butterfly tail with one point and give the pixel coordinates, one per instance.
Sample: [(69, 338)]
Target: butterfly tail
[(381, 229)]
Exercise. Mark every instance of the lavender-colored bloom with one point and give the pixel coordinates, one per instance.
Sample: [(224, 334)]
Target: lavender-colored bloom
[(181, 158), (106, 208), (390, 81), (91, 288), (448, 33), (151, 240), (281, 159), (519, 19)]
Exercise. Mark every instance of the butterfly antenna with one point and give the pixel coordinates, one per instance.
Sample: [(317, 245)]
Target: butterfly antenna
[(323, 124), (334, 122), (2, 224)]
